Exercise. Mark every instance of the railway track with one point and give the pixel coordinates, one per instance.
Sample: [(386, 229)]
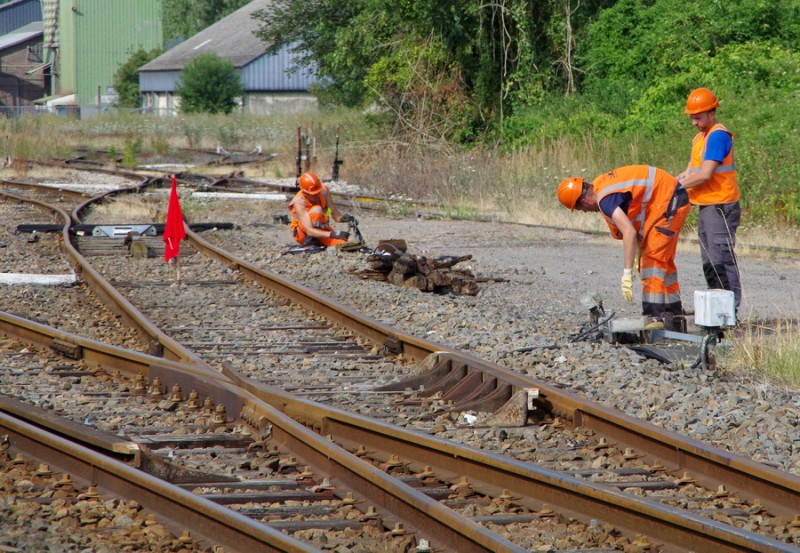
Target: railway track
[(586, 447)]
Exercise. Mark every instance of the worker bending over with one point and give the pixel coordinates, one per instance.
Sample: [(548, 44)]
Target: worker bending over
[(312, 209), (645, 207)]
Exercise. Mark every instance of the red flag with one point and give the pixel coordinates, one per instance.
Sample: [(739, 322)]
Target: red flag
[(174, 230)]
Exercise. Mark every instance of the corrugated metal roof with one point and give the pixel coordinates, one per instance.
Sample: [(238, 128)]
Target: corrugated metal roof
[(21, 35), (17, 14), (231, 38)]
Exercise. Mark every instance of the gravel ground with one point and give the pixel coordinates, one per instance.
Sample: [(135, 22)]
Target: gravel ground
[(531, 299), (535, 279)]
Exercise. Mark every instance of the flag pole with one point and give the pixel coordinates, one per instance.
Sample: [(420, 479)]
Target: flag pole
[(178, 269)]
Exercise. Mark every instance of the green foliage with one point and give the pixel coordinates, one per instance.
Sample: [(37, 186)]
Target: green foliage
[(749, 69), (422, 88), (556, 116), (635, 43), (209, 84), (185, 18), (126, 78), (499, 56), (133, 147)]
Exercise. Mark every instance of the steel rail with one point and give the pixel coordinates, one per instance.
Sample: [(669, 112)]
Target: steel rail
[(390, 339), (42, 188), (183, 509), (445, 528), (491, 473), (95, 353), (161, 344), (777, 490)]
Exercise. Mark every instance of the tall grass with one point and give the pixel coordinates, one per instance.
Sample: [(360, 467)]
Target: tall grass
[(766, 350), (514, 185)]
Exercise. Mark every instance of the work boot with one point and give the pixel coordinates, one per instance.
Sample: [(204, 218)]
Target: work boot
[(654, 325)]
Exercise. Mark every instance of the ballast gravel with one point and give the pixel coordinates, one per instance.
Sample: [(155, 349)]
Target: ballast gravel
[(529, 311)]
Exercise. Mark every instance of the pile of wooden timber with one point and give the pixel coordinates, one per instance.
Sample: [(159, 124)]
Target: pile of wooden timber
[(392, 263)]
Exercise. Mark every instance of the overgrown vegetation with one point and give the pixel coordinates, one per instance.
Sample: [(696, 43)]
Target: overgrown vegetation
[(519, 75)]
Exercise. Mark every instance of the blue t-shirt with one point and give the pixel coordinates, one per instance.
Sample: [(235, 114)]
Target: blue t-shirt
[(718, 145), (618, 199)]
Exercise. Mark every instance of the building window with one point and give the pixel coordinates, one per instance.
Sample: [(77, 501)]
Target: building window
[(35, 53)]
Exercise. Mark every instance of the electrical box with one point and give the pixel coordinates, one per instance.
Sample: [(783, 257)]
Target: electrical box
[(714, 308)]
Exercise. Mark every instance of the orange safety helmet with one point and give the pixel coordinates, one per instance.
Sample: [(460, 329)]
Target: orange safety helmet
[(699, 101), (570, 191), (310, 183)]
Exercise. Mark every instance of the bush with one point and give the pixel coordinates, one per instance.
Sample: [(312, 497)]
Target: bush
[(126, 79), (209, 84)]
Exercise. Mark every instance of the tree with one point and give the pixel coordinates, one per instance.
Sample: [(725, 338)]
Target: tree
[(209, 84), (126, 79), (185, 18), (483, 59)]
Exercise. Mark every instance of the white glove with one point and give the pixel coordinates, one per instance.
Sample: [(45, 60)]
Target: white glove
[(626, 285)]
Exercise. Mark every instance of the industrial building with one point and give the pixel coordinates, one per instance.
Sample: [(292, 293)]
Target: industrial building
[(273, 83)]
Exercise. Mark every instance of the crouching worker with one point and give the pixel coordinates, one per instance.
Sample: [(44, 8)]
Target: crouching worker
[(312, 209), (645, 207)]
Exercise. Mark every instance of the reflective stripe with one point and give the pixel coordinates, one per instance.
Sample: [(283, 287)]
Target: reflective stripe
[(669, 278), (730, 168), (647, 185), (661, 299), (654, 272)]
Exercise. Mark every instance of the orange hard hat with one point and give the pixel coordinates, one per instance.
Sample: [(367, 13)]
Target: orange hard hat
[(569, 192), (700, 100), (310, 183)]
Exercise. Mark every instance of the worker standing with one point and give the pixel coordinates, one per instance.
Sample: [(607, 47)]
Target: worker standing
[(710, 178), (645, 207), (312, 209)]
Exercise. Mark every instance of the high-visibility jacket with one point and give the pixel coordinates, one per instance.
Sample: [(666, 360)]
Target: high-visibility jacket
[(319, 211), (323, 200), (722, 187), (651, 192), (658, 209)]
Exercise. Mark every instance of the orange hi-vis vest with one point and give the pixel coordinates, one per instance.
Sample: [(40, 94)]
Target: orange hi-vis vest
[(722, 187), (322, 222), (651, 192)]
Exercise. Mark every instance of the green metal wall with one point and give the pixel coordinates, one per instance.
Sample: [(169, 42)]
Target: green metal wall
[(96, 36)]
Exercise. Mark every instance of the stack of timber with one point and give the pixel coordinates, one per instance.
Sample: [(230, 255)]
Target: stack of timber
[(392, 263)]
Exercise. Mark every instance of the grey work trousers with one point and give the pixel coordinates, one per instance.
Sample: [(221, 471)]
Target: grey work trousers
[(716, 229)]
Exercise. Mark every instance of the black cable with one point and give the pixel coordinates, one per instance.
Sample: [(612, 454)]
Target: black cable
[(582, 335)]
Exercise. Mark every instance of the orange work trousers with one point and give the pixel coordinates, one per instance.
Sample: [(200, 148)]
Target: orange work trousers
[(318, 220), (661, 292)]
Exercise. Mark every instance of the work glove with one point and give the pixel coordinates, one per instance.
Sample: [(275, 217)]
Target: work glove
[(340, 235), (346, 218), (626, 285)]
